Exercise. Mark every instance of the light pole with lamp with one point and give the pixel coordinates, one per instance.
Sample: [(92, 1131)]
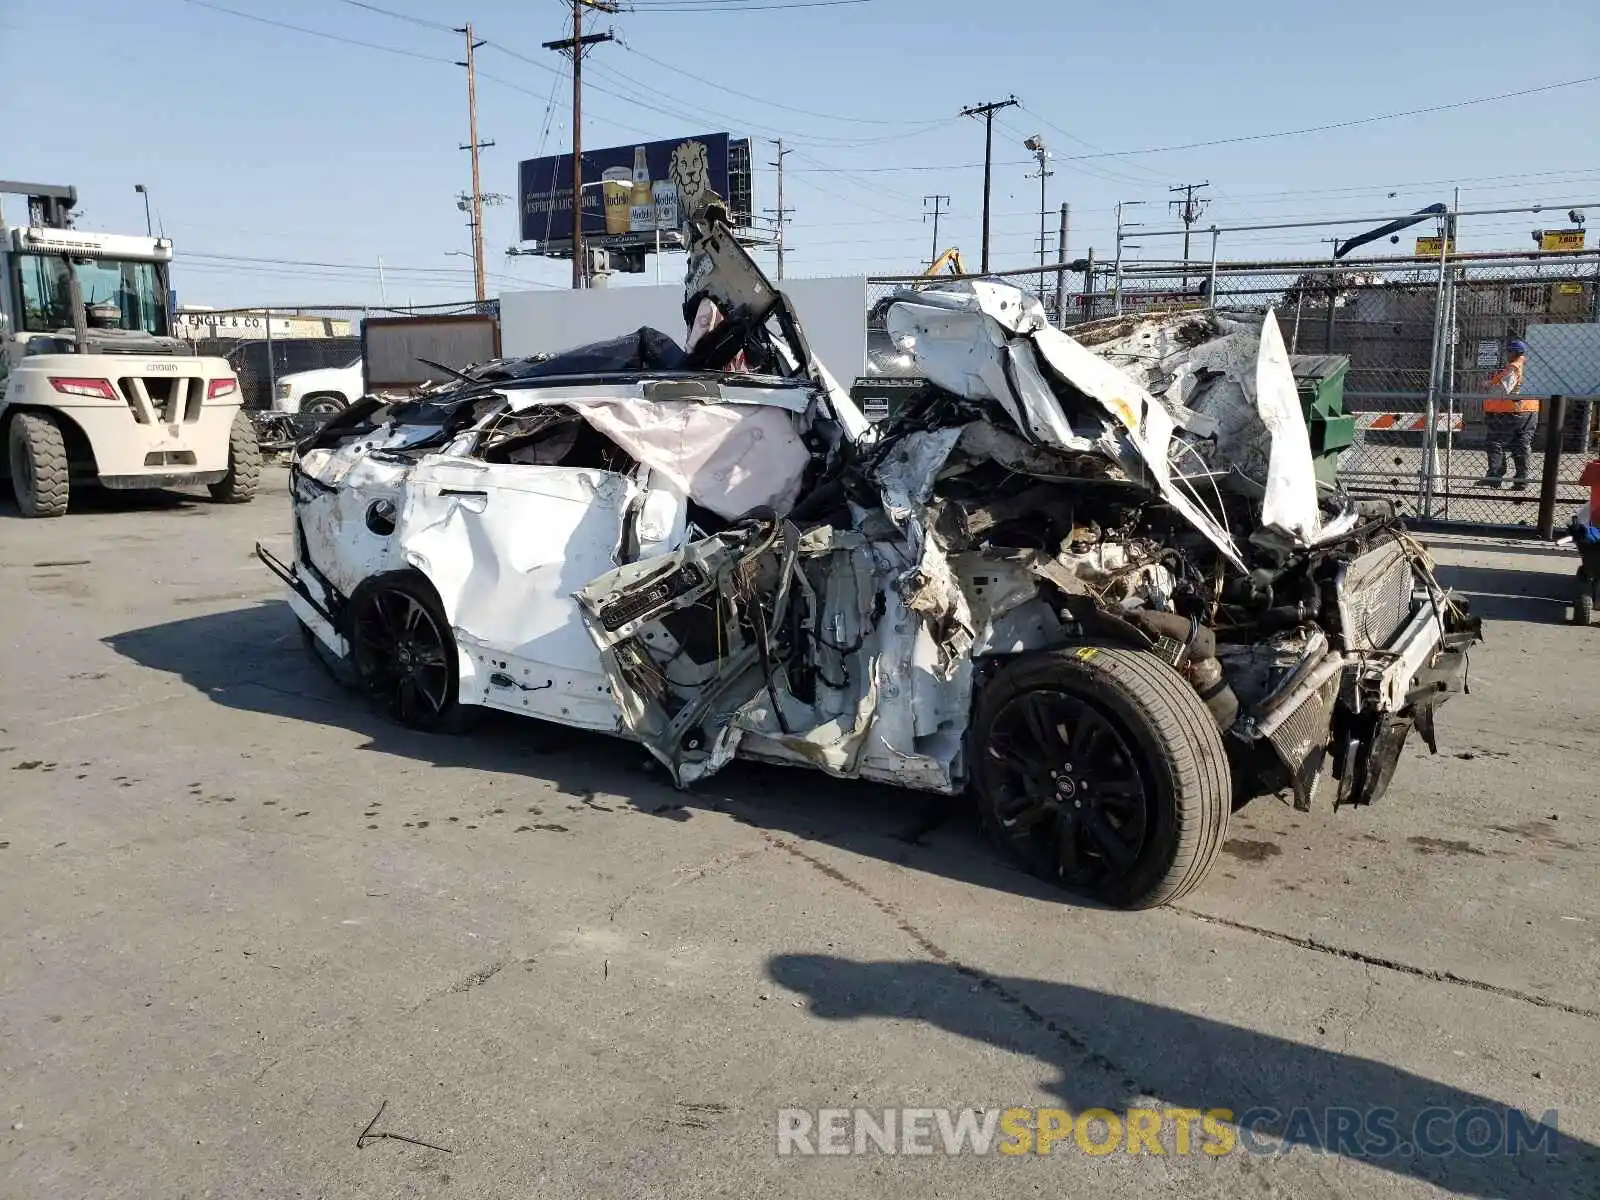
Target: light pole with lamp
[(1037, 146), (143, 191)]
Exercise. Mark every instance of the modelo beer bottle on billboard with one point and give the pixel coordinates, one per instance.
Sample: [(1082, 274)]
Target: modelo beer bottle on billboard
[(666, 192), (642, 203), (617, 188)]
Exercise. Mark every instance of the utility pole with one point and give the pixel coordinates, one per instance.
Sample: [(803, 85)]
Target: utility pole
[(987, 112), (1189, 210), (474, 145), (780, 214), (937, 212), (575, 46)]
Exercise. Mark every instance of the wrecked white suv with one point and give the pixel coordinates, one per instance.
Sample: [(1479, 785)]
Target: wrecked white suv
[(1098, 588)]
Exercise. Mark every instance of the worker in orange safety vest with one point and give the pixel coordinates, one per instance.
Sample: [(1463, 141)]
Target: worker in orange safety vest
[(1509, 420)]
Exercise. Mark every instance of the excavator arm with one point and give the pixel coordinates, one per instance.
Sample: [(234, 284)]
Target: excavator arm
[(951, 258)]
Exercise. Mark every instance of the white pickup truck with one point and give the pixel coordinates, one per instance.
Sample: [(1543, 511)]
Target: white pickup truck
[(327, 390)]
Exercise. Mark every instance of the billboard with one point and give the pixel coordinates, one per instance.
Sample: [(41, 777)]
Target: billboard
[(629, 191)]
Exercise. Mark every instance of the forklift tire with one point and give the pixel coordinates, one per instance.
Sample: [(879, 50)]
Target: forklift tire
[(244, 464), (38, 465), (1583, 604)]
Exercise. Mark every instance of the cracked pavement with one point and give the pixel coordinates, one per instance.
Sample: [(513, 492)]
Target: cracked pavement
[(239, 915)]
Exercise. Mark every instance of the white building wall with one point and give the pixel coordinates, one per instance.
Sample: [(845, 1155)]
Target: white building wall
[(833, 313)]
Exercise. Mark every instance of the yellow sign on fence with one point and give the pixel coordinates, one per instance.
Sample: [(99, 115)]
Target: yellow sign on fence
[(1561, 239), (1432, 247)]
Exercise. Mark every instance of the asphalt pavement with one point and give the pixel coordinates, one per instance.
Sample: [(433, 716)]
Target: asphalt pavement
[(255, 940)]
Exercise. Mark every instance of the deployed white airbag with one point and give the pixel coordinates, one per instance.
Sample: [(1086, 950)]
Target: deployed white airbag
[(729, 458)]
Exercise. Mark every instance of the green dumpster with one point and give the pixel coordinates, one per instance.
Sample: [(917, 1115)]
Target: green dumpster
[(1319, 378)]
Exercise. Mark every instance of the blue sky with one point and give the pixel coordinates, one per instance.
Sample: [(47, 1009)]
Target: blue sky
[(265, 144)]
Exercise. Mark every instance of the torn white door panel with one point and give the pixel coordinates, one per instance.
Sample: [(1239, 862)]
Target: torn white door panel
[(506, 546)]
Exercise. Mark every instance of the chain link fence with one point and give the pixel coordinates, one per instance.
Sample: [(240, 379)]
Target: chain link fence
[(1423, 339)]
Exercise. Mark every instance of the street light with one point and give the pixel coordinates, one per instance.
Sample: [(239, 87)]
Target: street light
[(143, 191), (1036, 145)]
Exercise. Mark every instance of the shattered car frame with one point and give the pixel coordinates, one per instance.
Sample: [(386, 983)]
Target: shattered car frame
[(1091, 580)]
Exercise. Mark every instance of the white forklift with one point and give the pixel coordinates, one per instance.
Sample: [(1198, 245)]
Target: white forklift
[(94, 389)]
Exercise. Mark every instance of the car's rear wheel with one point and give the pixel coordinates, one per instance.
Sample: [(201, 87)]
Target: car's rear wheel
[(404, 654), (1100, 769), (323, 404), (39, 477)]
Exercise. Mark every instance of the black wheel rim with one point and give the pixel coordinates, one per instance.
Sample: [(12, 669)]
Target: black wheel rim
[(1066, 789), (401, 653)]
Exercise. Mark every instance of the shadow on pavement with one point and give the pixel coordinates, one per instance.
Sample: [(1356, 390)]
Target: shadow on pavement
[(87, 499), (1503, 594), (1113, 1052), (253, 659)]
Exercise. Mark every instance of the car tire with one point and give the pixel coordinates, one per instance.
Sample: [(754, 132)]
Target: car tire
[(403, 654), (1099, 768), (238, 486), (39, 476), (323, 404)]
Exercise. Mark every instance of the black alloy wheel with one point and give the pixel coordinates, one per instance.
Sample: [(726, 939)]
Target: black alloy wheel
[(404, 654), (1066, 789), (1099, 768)]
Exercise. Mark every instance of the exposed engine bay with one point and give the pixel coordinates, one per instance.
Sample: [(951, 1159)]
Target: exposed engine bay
[(1100, 555)]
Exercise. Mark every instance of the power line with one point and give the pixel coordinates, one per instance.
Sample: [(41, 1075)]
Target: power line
[(1353, 122), (400, 16), (332, 37), (707, 6), (804, 112)]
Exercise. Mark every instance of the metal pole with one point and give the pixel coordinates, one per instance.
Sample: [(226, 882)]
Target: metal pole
[(272, 369), (1452, 303), (658, 250), (1430, 412), (1061, 270), (781, 215), (1116, 277), (1333, 297), (1043, 176), (1088, 286), (1211, 298), (383, 294), (1552, 467)]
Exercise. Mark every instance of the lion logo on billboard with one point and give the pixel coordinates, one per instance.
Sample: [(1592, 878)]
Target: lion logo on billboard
[(691, 171)]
